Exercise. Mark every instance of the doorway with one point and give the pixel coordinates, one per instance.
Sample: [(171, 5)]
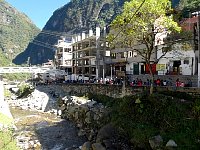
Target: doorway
[(176, 66)]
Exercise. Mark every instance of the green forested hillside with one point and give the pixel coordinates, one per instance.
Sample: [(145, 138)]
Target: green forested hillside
[(16, 30), (189, 6), (75, 16)]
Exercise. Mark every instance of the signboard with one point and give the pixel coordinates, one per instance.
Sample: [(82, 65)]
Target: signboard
[(160, 67), (120, 73)]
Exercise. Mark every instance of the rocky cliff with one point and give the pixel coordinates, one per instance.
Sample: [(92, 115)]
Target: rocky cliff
[(16, 31), (76, 16), (73, 17)]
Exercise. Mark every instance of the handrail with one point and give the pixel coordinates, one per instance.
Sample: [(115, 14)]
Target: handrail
[(23, 69)]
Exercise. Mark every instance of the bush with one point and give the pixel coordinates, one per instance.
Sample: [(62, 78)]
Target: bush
[(24, 91), (143, 116), (7, 142), (105, 100)]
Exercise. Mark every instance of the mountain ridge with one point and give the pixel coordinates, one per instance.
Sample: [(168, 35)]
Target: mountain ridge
[(16, 30), (75, 16)]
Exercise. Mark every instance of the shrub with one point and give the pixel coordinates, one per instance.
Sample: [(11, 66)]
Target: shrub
[(24, 91), (141, 117), (7, 142)]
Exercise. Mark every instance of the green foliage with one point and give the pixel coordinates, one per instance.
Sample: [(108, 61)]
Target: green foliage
[(105, 100), (7, 93), (138, 24), (59, 102), (143, 116), (196, 109), (17, 76), (4, 61), (180, 95), (7, 142), (189, 6), (5, 120), (16, 31), (136, 28), (24, 91)]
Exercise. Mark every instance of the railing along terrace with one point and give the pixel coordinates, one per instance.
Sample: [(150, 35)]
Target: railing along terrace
[(23, 69)]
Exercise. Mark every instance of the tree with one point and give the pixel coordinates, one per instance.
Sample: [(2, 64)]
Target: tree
[(189, 5), (138, 25)]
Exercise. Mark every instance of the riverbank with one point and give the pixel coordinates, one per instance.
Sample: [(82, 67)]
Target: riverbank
[(38, 124), (38, 130)]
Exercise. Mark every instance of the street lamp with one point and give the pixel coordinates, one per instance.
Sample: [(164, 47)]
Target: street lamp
[(197, 14)]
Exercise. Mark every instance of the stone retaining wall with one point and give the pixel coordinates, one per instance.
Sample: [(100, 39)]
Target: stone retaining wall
[(104, 89), (87, 114), (117, 90), (92, 119)]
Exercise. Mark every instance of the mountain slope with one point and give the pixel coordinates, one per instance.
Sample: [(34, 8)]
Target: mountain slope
[(16, 30), (75, 16)]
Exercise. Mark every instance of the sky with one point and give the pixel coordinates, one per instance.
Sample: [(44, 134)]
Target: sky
[(39, 11)]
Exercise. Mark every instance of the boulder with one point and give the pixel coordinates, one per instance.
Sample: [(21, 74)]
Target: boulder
[(98, 146), (107, 132), (86, 146), (171, 143), (156, 142)]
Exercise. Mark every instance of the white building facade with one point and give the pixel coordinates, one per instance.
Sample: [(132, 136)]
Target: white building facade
[(177, 61), (63, 55)]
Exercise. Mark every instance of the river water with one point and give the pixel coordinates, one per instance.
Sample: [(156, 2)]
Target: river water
[(45, 131)]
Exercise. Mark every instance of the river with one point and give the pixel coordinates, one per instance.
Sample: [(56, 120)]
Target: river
[(45, 131)]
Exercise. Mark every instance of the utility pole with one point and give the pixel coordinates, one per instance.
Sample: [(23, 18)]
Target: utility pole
[(197, 14)]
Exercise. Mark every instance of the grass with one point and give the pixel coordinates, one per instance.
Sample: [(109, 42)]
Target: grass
[(6, 140), (5, 120), (7, 93)]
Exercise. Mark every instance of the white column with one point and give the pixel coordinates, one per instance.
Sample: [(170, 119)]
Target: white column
[(1, 91), (111, 71), (103, 73), (90, 32), (97, 52)]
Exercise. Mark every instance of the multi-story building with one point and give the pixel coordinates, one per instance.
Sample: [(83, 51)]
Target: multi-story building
[(126, 62), (182, 59), (89, 54), (63, 55)]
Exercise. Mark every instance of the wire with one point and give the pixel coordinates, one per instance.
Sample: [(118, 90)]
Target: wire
[(130, 19), (36, 42), (56, 33)]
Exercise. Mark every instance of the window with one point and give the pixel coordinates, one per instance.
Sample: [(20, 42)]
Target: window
[(134, 53), (67, 49), (130, 53), (113, 55), (123, 54), (186, 61)]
